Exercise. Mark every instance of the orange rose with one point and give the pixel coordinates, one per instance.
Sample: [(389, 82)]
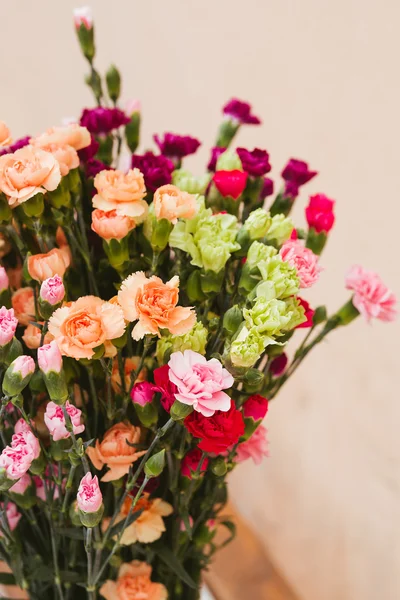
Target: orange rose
[(43, 266), (154, 305), (172, 204), (110, 225), (86, 324), (32, 336), (134, 583), (23, 303), (5, 136), (27, 172), (131, 364), (114, 451), (66, 156), (72, 135), (121, 192)]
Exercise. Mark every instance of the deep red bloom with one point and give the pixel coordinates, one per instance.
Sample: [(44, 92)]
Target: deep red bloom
[(241, 112), (255, 407), (215, 154), (230, 183), (217, 433), (267, 188), (309, 313), (163, 385), (90, 151), (254, 162), (278, 365), (156, 169), (17, 145), (176, 146), (103, 120), (190, 463), (94, 166), (296, 173), (319, 213)]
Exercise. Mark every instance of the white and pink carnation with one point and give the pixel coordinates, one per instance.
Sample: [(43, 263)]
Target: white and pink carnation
[(256, 447), (55, 420), (303, 260), (372, 298)]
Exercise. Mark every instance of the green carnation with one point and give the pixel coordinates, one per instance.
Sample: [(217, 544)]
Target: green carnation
[(280, 229), (229, 161), (258, 223), (247, 348), (259, 252), (273, 318), (187, 182), (195, 339), (279, 279)]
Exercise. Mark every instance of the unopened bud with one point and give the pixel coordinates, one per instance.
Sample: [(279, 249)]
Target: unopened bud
[(18, 375)]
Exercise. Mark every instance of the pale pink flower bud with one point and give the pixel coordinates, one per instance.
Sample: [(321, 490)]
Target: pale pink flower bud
[(8, 325), (83, 16), (52, 290), (49, 358), (12, 515), (132, 106), (89, 498), (4, 282), (25, 365), (22, 485), (55, 421)]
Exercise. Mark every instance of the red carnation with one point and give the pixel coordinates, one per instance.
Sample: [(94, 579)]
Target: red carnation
[(255, 407), (190, 463), (217, 433), (278, 365), (319, 213), (308, 313), (163, 385), (230, 183)]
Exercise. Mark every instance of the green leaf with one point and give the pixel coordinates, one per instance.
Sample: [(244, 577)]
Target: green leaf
[(132, 518), (231, 527), (74, 533), (175, 565), (70, 576)]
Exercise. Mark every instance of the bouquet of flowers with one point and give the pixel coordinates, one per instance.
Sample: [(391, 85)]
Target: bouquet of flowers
[(145, 316)]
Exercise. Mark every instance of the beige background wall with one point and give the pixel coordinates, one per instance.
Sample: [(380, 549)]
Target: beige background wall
[(324, 75)]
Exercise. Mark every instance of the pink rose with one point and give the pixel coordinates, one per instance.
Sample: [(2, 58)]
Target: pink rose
[(89, 498), (200, 382), (25, 365), (49, 358), (319, 213), (303, 259), (142, 393), (255, 407), (52, 290), (4, 282), (8, 325), (191, 461), (55, 421), (12, 515), (255, 447), (371, 296), (22, 485)]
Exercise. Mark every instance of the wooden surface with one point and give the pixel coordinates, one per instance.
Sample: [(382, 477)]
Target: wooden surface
[(244, 570)]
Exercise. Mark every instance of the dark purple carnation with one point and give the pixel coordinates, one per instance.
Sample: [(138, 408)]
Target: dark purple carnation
[(90, 151), (103, 120), (267, 188), (176, 146), (296, 174), (17, 145), (240, 111), (156, 169), (256, 162), (94, 166), (215, 154)]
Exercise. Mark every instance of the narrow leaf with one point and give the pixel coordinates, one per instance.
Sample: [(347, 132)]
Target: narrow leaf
[(174, 564)]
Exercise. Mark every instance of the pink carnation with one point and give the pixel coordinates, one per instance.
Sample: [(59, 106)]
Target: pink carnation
[(304, 260), (255, 447), (28, 439), (49, 358), (12, 516), (142, 393), (89, 498), (22, 485), (8, 325), (255, 407), (4, 282), (200, 382), (52, 290), (21, 426), (371, 296), (17, 458), (25, 365), (55, 421)]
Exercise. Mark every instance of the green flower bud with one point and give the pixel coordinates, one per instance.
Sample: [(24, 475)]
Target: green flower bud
[(187, 182), (105, 151), (91, 519), (280, 229), (147, 414), (258, 223), (254, 378), (227, 132), (211, 282), (74, 181), (232, 319), (113, 79), (18, 375), (229, 161), (347, 313), (160, 234), (155, 464), (180, 411), (195, 339), (34, 207), (219, 467), (5, 482), (132, 131), (61, 196), (320, 315), (117, 251), (282, 205), (74, 515)]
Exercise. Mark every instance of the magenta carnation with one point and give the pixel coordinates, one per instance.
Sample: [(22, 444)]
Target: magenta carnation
[(296, 173), (17, 145), (255, 162), (86, 154), (94, 166), (241, 112), (267, 188), (176, 146), (215, 154), (102, 120), (157, 170)]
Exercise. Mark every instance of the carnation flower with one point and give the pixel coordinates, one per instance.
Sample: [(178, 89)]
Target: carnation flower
[(257, 223), (101, 120), (89, 498), (172, 204), (272, 318), (44, 266), (218, 432), (142, 393), (296, 173), (280, 229), (8, 325), (52, 290), (319, 213), (255, 407), (230, 183), (215, 154), (241, 112), (176, 146), (94, 167), (190, 463), (304, 260), (66, 156), (55, 420), (308, 313), (278, 365), (111, 225), (12, 515), (187, 182), (200, 382), (280, 279), (123, 192), (5, 135), (371, 297), (165, 386), (71, 135), (23, 303), (195, 339), (267, 188), (256, 447), (255, 162), (247, 347), (133, 583), (157, 170)]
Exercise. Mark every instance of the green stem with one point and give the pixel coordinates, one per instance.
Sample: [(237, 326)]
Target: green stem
[(68, 488), (110, 411)]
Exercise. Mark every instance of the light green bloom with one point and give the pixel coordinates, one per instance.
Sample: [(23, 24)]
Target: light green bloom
[(195, 339), (258, 223), (279, 279), (229, 161), (280, 229), (247, 348), (273, 318), (296, 311), (259, 252), (187, 182)]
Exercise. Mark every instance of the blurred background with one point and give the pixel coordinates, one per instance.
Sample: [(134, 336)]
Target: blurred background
[(324, 77)]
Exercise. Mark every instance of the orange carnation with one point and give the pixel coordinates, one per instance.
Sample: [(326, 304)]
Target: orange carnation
[(5, 136), (172, 204), (123, 192), (134, 583), (66, 156), (110, 225), (71, 135), (27, 172), (23, 303), (114, 452), (32, 336), (154, 305), (43, 266), (81, 326)]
